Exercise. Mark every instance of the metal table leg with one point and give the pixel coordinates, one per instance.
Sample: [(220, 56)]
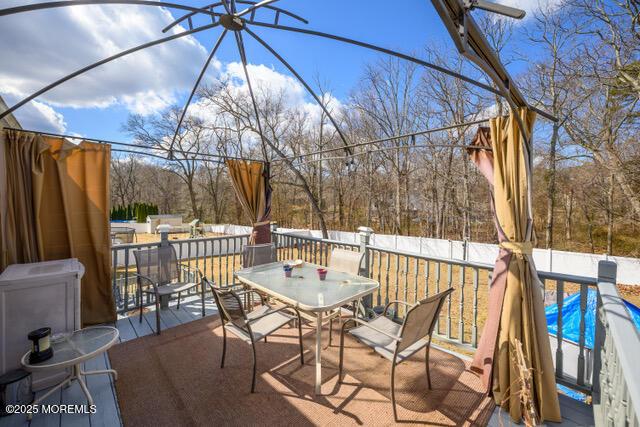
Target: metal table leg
[(77, 374), (318, 388)]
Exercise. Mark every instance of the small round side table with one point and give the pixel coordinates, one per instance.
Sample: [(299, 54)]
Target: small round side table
[(72, 351)]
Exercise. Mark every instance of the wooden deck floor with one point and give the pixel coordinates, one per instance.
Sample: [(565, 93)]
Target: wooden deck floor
[(104, 394)]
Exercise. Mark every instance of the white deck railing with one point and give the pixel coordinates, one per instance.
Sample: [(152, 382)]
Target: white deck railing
[(616, 394)]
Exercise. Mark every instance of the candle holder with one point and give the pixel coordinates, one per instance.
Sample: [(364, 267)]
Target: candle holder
[(40, 345)]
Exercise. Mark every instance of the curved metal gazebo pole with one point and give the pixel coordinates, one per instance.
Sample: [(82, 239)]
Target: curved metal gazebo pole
[(66, 3), (225, 5), (255, 6), (304, 83), (210, 6), (102, 62), (195, 86), (243, 58), (400, 55)]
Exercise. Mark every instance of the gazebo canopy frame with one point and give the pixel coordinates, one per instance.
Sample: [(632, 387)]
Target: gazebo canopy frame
[(456, 17)]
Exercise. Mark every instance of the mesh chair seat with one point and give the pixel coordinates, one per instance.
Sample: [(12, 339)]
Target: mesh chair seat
[(381, 343), (263, 327), (171, 288)]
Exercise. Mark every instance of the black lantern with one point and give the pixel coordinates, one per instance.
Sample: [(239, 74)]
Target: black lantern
[(41, 345)]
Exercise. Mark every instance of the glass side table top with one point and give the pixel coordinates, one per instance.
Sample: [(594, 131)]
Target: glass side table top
[(304, 289), (76, 347)]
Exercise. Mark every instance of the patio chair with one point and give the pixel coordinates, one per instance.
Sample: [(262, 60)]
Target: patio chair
[(348, 262), (159, 270), (122, 235), (253, 255), (253, 326), (345, 261), (397, 342), (195, 230)]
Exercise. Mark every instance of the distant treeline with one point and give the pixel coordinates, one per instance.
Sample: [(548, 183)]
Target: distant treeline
[(135, 211)]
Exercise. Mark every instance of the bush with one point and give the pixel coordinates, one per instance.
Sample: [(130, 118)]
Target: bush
[(136, 211)]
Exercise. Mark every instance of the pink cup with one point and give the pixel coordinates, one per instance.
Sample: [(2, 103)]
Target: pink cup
[(322, 273), (287, 273)]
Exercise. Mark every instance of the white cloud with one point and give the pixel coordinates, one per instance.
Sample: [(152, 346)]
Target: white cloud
[(531, 6), (267, 82), (40, 116), (42, 46)]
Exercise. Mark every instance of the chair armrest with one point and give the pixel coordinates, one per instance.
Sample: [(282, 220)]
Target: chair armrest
[(386, 307), (250, 291), (362, 322), (141, 277)]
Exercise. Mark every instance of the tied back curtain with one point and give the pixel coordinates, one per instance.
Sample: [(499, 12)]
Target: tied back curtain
[(516, 307), (58, 207), (251, 184)]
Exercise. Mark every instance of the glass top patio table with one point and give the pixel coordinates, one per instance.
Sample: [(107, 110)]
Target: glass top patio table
[(76, 347), (304, 289)]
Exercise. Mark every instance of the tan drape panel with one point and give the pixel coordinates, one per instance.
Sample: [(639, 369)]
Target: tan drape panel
[(59, 208), (23, 154), (249, 185), (516, 306)]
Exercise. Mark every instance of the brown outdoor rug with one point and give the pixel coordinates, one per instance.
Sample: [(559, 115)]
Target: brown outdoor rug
[(175, 380)]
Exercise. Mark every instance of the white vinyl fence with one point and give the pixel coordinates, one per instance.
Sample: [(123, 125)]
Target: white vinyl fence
[(576, 263)]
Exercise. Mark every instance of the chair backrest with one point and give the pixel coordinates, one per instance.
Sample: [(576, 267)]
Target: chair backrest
[(159, 264), (229, 306), (345, 261), (123, 234), (253, 255), (421, 319)]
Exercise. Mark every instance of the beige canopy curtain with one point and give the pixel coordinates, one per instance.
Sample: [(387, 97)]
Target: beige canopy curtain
[(516, 307), (250, 181), (58, 207)]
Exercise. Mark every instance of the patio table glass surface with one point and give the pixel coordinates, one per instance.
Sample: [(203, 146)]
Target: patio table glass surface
[(77, 346), (304, 289)]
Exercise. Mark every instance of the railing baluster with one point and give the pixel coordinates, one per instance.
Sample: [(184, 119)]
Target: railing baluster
[(386, 301), (416, 267), (220, 263), (379, 275), (461, 305), (474, 327), (116, 290), (406, 282), (438, 274), (583, 312), (426, 278), (126, 281), (560, 302), (449, 284), (397, 282)]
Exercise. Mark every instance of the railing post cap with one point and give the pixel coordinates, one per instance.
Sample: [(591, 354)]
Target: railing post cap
[(607, 271), (365, 230), (163, 228)]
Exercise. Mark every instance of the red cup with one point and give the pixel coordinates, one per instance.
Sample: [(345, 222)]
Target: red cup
[(322, 273)]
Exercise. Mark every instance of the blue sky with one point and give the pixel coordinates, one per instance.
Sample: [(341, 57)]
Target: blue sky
[(97, 104)]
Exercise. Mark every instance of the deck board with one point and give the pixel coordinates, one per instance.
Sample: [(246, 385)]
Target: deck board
[(48, 420), (101, 388), (126, 329), (574, 414), (73, 395)]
